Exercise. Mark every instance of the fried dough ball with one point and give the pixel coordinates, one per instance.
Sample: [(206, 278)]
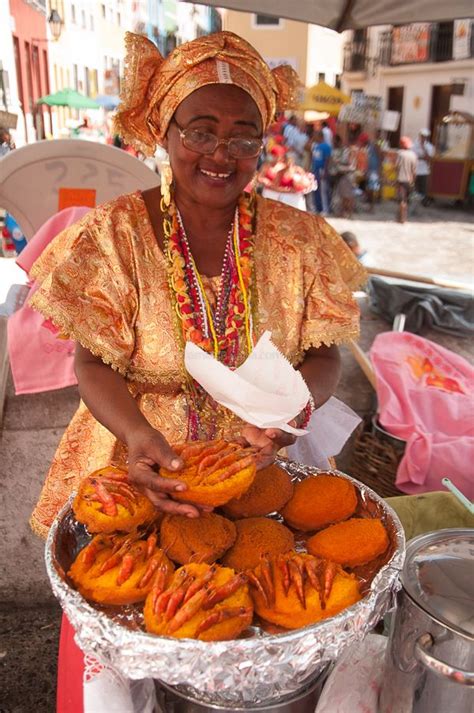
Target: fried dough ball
[(204, 539), (269, 492), (257, 536), (350, 543), (120, 569), (319, 501), (214, 471), (204, 602), (294, 590), (107, 502)]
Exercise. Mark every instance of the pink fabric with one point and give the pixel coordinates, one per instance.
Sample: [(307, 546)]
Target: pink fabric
[(39, 360), (425, 398)]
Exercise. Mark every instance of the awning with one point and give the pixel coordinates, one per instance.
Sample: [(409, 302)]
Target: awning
[(70, 98), (323, 98), (350, 14)]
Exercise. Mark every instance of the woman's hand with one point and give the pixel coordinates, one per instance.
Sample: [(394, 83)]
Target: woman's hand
[(267, 441), (147, 449)]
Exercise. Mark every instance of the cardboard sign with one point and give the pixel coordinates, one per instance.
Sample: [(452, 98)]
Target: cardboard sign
[(73, 197), (390, 120)]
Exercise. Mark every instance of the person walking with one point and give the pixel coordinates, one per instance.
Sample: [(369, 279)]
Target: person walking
[(424, 151), (296, 139), (319, 168), (406, 175)]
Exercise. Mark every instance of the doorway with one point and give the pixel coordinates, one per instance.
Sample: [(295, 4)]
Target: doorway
[(440, 101), (395, 103)]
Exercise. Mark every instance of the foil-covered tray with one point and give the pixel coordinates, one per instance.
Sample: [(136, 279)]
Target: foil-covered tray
[(250, 670)]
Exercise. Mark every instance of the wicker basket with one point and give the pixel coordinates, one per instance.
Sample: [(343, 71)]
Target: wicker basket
[(375, 458)]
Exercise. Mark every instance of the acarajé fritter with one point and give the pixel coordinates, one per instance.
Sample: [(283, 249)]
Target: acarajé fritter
[(214, 471), (108, 502), (350, 543), (319, 501), (256, 536), (120, 569), (203, 539), (202, 601), (293, 590), (269, 492)]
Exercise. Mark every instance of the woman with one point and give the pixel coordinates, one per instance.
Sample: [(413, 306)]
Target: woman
[(141, 275), (341, 169)]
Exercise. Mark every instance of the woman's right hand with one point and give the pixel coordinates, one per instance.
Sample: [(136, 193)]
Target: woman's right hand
[(147, 451)]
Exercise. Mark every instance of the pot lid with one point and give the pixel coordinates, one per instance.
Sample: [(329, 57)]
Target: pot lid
[(438, 576)]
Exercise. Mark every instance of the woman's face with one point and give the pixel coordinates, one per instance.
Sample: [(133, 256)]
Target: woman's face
[(213, 180)]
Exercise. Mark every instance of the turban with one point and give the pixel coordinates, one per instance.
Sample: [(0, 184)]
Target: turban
[(154, 87)]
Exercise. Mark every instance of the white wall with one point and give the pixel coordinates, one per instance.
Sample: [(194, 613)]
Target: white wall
[(324, 54)]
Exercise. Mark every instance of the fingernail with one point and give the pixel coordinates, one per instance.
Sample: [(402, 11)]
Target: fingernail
[(175, 463), (192, 515), (181, 487)]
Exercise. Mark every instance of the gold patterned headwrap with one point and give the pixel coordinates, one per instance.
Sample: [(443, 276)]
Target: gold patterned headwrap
[(153, 87)]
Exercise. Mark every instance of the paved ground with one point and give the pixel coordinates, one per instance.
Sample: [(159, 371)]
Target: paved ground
[(438, 241)]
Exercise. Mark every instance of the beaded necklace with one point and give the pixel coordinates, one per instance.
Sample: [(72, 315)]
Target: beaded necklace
[(220, 331)]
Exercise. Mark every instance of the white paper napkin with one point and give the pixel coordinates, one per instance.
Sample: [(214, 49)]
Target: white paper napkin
[(265, 390)]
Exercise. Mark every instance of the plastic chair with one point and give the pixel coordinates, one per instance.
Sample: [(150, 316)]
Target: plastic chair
[(32, 177)]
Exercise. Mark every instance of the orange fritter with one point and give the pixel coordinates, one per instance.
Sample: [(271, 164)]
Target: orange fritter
[(203, 539), (351, 543), (318, 501), (204, 602), (214, 471), (120, 569), (107, 502), (294, 590), (270, 491), (257, 536)]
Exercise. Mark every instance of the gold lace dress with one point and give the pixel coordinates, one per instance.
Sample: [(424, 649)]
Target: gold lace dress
[(104, 283)]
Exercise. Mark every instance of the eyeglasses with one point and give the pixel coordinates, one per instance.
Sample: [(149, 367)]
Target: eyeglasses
[(206, 143)]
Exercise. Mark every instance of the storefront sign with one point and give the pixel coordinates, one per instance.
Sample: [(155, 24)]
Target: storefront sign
[(411, 43), (462, 39)]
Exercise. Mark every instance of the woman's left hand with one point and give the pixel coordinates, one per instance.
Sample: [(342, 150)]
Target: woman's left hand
[(267, 441)]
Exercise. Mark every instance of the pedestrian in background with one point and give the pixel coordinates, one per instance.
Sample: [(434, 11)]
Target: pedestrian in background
[(424, 151), (406, 175), (319, 168), (341, 169), (296, 139)]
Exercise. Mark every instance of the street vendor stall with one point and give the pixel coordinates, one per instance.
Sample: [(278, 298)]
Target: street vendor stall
[(452, 167)]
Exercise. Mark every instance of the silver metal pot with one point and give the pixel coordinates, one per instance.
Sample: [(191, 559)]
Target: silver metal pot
[(429, 667), (302, 701)]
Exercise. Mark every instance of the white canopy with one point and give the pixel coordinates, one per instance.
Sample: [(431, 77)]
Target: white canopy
[(352, 14)]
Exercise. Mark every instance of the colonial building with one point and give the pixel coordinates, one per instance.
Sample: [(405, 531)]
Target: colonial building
[(420, 70)]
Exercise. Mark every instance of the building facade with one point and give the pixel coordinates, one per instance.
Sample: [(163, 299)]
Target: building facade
[(314, 52), (422, 70), (26, 43)]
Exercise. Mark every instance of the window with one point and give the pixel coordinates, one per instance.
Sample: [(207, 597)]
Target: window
[(73, 13), (119, 19), (266, 21), (337, 82), (91, 23), (83, 19), (322, 77), (76, 76), (102, 7)]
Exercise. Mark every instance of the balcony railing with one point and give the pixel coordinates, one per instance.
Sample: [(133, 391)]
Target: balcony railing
[(440, 47), (355, 57)]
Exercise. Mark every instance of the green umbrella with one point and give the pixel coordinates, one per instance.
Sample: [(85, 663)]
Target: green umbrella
[(70, 98)]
